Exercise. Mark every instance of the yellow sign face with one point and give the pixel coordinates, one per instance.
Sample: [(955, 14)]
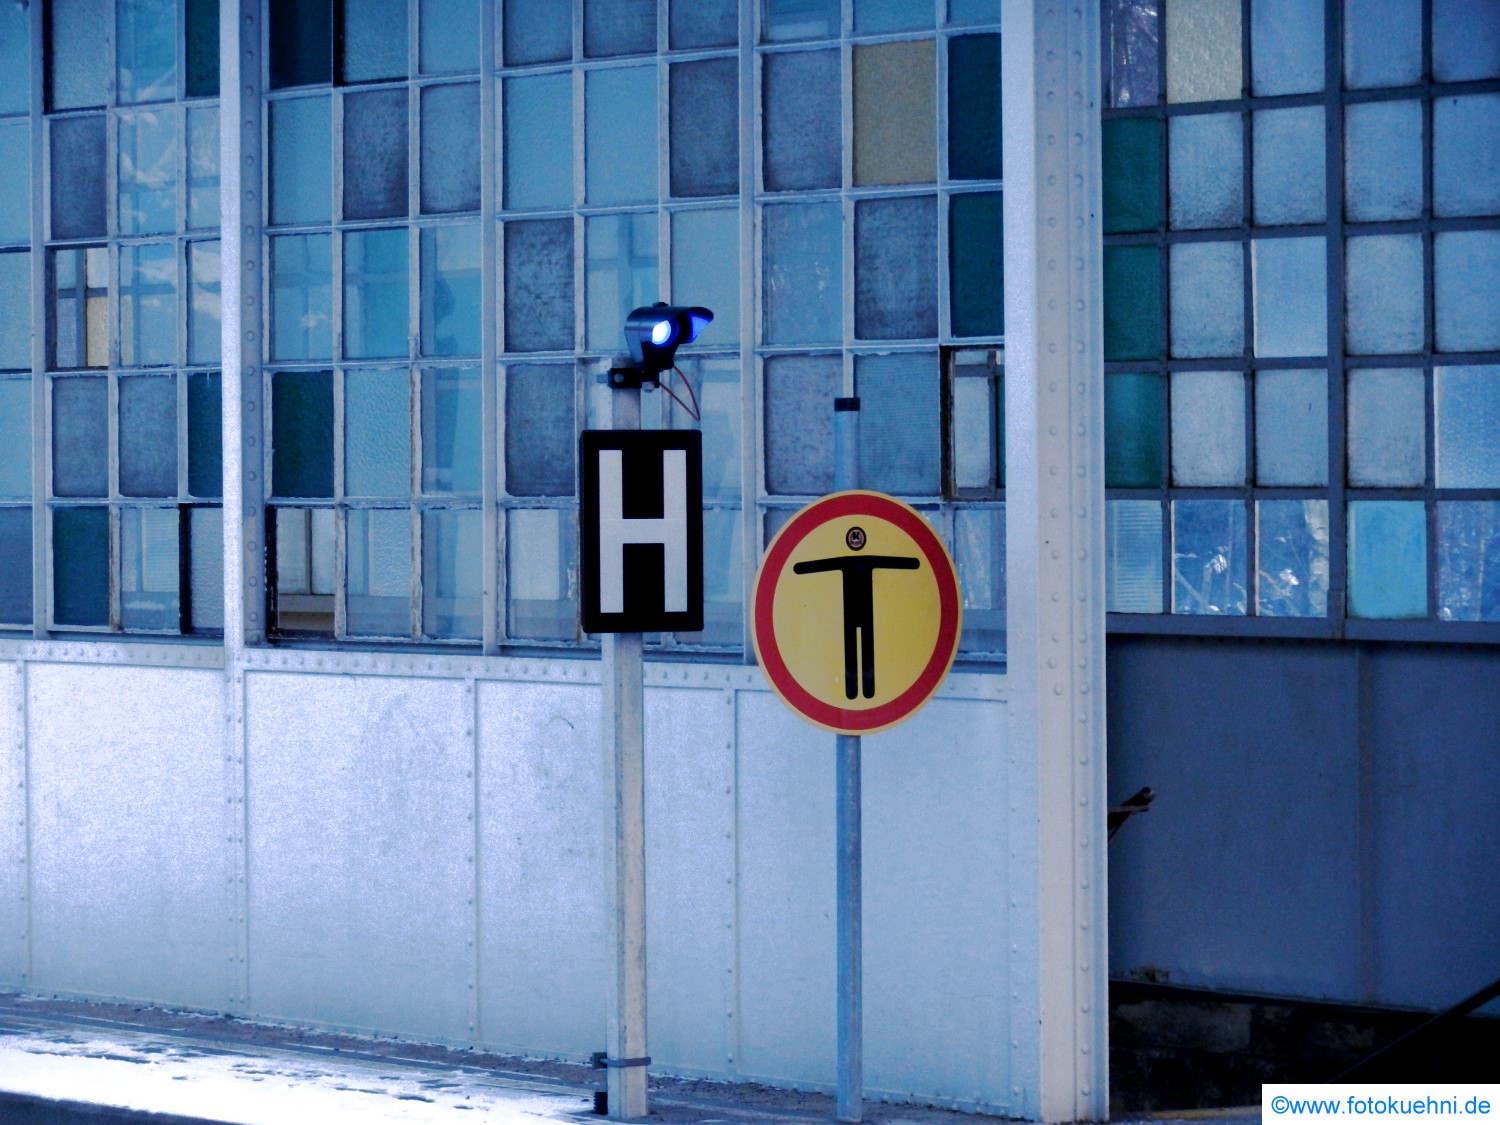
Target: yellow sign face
[(857, 612)]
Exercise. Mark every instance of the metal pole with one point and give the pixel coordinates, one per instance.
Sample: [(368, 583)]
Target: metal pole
[(625, 745), (847, 748)]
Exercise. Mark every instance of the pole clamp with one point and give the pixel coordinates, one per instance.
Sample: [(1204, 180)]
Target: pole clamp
[(603, 1062)]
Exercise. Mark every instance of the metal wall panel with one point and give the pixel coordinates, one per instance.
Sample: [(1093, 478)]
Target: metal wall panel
[(361, 848), (129, 863), (14, 913)]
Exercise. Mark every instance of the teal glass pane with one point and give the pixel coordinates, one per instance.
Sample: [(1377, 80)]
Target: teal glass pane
[(15, 576), (1292, 558), (900, 422), (450, 148), (302, 433), (1132, 556), (15, 183), (301, 42), (378, 560), (1466, 429), (202, 48), (537, 31), (540, 434), (620, 117), (76, 34), (703, 125), (146, 50), (150, 566), (80, 566), (450, 290), (539, 141), (1209, 557), (205, 434), (148, 435), (377, 432), (205, 570), (1132, 163), (542, 574), (148, 304), (451, 433), (1132, 302), (301, 297), (375, 294), (705, 254), (204, 266), (1387, 558), (80, 436), (15, 73), (301, 161), (15, 311), (203, 167), (1133, 415), (374, 40), (803, 245), (623, 274), (974, 108), (452, 554), (1468, 560), (976, 263), (449, 38), (376, 148), (15, 439)]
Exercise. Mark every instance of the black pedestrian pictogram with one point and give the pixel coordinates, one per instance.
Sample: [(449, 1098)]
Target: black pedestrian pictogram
[(859, 606)]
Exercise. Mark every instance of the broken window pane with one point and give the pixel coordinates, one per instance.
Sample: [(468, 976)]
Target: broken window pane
[(305, 570), (148, 436), (150, 565), (80, 294), (80, 436)]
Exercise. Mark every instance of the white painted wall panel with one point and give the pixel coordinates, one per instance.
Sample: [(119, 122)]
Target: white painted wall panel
[(129, 858), (360, 793), (544, 838), (13, 914), (690, 859)]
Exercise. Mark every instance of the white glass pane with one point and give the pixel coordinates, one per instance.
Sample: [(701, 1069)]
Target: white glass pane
[(206, 547), (1387, 427), (1291, 427), (1203, 51), (539, 141), (620, 119), (1383, 160), (542, 575), (1286, 47), (1208, 428), (803, 280), (1289, 166), (1290, 296), (1467, 313), (149, 569), (379, 558), (1382, 42), (148, 172), (1209, 557), (623, 274), (705, 260), (1465, 40), (1208, 299), (1468, 560), (974, 427), (1291, 558), (1466, 154), (1133, 545), (1206, 164), (1387, 558), (1384, 294), (1466, 404)]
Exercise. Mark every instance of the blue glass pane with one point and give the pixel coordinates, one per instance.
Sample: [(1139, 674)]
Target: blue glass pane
[(1384, 294), (800, 19), (537, 31), (803, 245), (302, 433), (802, 125), (15, 70), (203, 167), (204, 268), (15, 311), (1466, 431), (450, 148), (619, 27), (1132, 562), (900, 441), (1465, 40), (376, 148), (979, 558), (1206, 164), (451, 430), (540, 434), (1209, 557), (1387, 558), (377, 433), (717, 383), (705, 257), (1383, 160), (1286, 47), (623, 274), (723, 560), (301, 161), (374, 40), (1387, 413), (1208, 299), (873, 16), (1289, 146), (539, 141), (1465, 167), (1466, 264), (201, 52), (450, 290), (146, 50), (1291, 427), (76, 34), (375, 294), (148, 436), (78, 160), (301, 297), (1132, 47), (452, 553), (80, 436), (15, 576), (150, 565), (15, 183), (798, 429), (1382, 42), (1468, 560), (620, 117), (703, 23), (539, 285), (703, 123), (378, 599), (895, 268), (15, 439), (1292, 558), (1208, 428), (1291, 296), (148, 304), (449, 36), (542, 574)]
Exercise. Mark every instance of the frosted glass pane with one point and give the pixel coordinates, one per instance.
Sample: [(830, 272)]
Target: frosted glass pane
[(539, 285), (900, 439), (149, 568), (1132, 564), (872, 16), (451, 431), (1466, 154), (76, 52), (204, 269), (148, 304), (1208, 299), (703, 23), (540, 434), (1203, 51), (798, 431), (375, 294), (1207, 162), (1291, 427), (979, 558), (537, 31), (542, 545), (1286, 47), (799, 19), (80, 436), (623, 274), (1382, 42), (374, 40), (452, 558), (379, 557), (148, 436), (376, 148), (1291, 558), (1468, 560), (1383, 161), (802, 123), (803, 280), (301, 161), (1290, 281), (1466, 266), (1465, 40), (15, 439), (1209, 557), (1387, 558), (620, 116), (15, 183), (377, 433), (1289, 166), (1384, 294), (15, 312), (1466, 403), (203, 166), (206, 569), (1132, 38), (703, 109), (895, 268), (717, 382), (15, 78), (539, 141), (148, 172), (967, 12), (78, 160), (1133, 312), (450, 290), (1208, 428), (450, 148), (705, 270), (895, 113), (1387, 411), (449, 37), (146, 50), (619, 27), (301, 297)]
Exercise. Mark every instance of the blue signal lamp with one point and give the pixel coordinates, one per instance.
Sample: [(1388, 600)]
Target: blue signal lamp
[(653, 333)]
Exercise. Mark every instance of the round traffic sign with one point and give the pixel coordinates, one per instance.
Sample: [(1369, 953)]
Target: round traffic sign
[(856, 612)]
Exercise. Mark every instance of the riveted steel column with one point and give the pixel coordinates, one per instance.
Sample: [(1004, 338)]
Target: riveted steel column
[(1054, 398)]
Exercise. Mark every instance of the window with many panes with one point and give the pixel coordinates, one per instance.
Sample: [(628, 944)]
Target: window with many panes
[(831, 189), (1302, 312), (109, 318)]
